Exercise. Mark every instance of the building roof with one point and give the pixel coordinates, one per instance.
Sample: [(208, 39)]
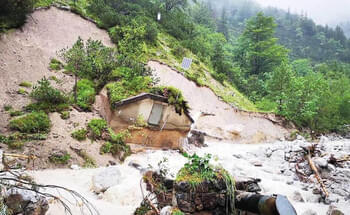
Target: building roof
[(143, 96)]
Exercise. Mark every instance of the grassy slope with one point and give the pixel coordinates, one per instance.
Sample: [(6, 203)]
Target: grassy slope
[(199, 72)]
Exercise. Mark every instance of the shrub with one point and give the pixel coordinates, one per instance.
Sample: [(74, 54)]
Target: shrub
[(178, 50), (177, 212), (85, 94), (15, 145), (55, 64), (44, 92), (22, 91), (97, 127), (60, 159), (65, 115), (16, 113), (7, 107), (13, 13), (47, 107), (35, 122), (116, 144), (80, 134), (25, 84), (196, 170)]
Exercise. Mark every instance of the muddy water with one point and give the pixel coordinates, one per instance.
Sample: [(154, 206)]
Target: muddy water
[(227, 122), (238, 159)]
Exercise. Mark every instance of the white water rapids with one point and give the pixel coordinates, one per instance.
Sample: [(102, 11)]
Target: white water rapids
[(238, 159)]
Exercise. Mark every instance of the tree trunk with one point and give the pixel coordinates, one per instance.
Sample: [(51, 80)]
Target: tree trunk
[(75, 88)]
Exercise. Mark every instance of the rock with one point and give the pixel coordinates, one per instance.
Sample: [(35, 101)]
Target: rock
[(257, 163), (105, 179), (298, 197), (166, 210), (25, 202), (320, 162), (135, 164), (1, 164), (334, 211), (74, 167), (268, 152), (290, 182), (323, 140), (309, 212)]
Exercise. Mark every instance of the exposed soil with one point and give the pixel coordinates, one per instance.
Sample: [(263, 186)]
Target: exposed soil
[(25, 56), (219, 118)]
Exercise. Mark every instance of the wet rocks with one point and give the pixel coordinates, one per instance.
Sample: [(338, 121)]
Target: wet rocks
[(105, 179), (334, 211), (25, 202), (298, 197), (309, 212)]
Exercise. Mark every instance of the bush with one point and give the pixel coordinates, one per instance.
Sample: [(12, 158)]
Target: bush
[(85, 94), (45, 93), (35, 122), (25, 84), (15, 145), (65, 115), (16, 113), (60, 159), (7, 107), (47, 107), (55, 64), (97, 127), (22, 91), (13, 13), (80, 134)]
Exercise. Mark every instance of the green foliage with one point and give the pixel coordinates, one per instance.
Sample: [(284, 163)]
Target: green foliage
[(47, 107), (86, 94), (22, 91), (25, 84), (80, 134), (55, 64), (15, 145), (13, 13), (97, 127), (43, 92), (143, 209), (65, 115), (7, 107), (174, 96), (16, 113), (60, 159), (89, 162), (177, 212), (116, 144), (140, 121), (34, 122), (196, 170)]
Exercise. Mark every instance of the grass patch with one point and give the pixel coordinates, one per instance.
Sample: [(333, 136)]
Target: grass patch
[(89, 161), (65, 115), (60, 159), (116, 145), (25, 84), (80, 134), (55, 64), (22, 91), (177, 212), (7, 107), (35, 122), (47, 107), (85, 94), (96, 127), (16, 113), (16, 145)]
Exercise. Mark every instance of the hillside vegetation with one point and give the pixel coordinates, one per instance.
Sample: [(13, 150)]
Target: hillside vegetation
[(302, 75)]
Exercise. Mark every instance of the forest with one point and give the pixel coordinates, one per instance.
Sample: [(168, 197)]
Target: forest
[(283, 62)]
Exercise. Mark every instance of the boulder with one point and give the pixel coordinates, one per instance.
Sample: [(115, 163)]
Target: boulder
[(166, 210), (298, 197), (105, 179), (334, 211), (309, 212)]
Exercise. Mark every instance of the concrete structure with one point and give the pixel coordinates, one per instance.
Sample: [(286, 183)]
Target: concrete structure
[(162, 126)]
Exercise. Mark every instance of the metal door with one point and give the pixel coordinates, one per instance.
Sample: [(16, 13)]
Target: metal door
[(156, 114)]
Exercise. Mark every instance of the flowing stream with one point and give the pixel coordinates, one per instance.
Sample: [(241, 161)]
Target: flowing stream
[(264, 161)]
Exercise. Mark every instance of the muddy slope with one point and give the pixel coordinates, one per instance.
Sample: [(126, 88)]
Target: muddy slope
[(219, 118), (24, 56), (25, 53)]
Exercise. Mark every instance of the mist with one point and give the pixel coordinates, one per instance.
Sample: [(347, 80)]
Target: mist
[(322, 11)]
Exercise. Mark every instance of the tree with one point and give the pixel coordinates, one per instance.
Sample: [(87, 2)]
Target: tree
[(75, 58), (263, 54), (13, 12), (279, 83)]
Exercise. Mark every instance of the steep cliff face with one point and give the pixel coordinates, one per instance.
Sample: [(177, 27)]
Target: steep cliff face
[(217, 118)]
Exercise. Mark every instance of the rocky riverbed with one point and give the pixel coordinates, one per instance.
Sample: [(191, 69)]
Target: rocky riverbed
[(273, 163)]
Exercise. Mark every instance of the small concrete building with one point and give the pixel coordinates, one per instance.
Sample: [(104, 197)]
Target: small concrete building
[(160, 126)]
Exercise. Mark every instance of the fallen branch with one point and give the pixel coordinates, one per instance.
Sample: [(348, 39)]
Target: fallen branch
[(317, 175)]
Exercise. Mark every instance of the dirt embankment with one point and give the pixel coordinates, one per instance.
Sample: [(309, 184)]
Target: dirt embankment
[(219, 119), (25, 56)]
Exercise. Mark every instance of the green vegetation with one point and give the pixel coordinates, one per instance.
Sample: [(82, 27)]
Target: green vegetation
[(174, 96), (89, 161), (13, 14), (60, 159), (7, 107), (22, 91), (35, 122), (65, 115), (116, 144), (80, 134), (16, 113), (16, 140), (196, 170), (55, 64), (25, 84), (177, 212), (97, 127), (16, 145), (86, 94)]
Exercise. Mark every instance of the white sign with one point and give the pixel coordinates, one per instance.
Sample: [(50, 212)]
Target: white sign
[(186, 63)]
